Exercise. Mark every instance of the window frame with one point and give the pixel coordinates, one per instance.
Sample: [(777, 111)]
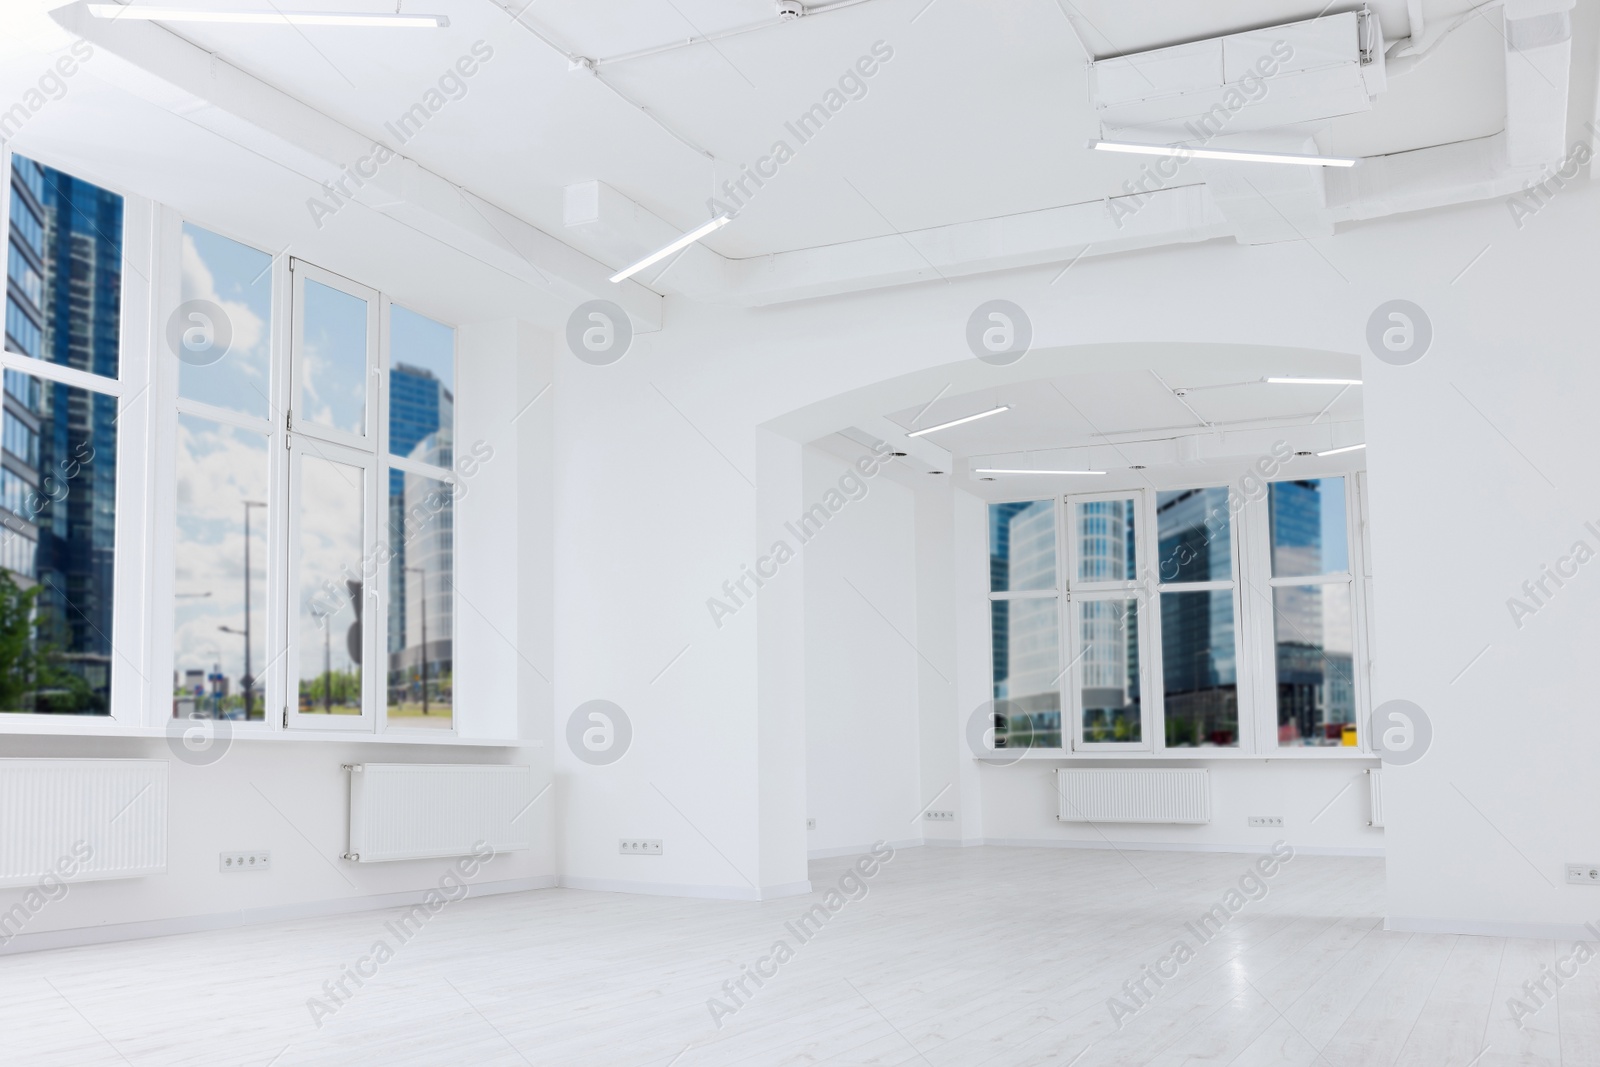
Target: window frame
[(1255, 647), (131, 563)]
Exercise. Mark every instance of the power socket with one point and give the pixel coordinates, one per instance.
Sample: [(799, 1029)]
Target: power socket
[(1583, 874), (1266, 820), (811, 824), (939, 816), (639, 846), (244, 861)]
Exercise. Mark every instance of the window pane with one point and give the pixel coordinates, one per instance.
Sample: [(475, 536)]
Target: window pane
[(1316, 690), (1022, 546), (1105, 540), (333, 371), (1027, 669), (1108, 669), (1193, 528), (421, 387), (329, 598), (1308, 530), (57, 548), (1199, 673), (66, 241), (421, 600), (220, 626), (226, 364)]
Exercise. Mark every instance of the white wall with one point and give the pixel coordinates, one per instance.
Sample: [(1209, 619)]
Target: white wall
[(862, 640)]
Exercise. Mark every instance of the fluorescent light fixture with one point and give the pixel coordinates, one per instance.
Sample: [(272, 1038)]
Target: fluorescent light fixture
[(1312, 381), (269, 18), (1229, 155), (1346, 448), (958, 422), (683, 242), (996, 470)]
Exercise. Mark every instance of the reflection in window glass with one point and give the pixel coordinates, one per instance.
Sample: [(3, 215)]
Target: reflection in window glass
[(421, 601), (1307, 521), (333, 371), (421, 388), (1316, 664), (1027, 672), (56, 549), (1192, 526), (1199, 673), (65, 252), (237, 280), (1022, 546), (1104, 529), (329, 602), (220, 575), (1108, 670)]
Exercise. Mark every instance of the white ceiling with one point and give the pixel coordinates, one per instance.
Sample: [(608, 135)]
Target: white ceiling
[(982, 113)]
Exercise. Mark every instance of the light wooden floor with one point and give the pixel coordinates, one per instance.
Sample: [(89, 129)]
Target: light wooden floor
[(955, 958)]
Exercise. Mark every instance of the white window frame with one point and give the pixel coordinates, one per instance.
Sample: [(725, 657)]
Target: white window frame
[(1053, 593), (1077, 592), (131, 563)]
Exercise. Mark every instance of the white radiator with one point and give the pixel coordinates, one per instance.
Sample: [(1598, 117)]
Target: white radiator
[(411, 811), (1176, 795), (1375, 791), (97, 818)]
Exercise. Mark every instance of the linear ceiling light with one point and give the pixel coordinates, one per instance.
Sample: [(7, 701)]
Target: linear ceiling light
[(1312, 381), (279, 18), (1346, 448), (996, 470), (1230, 155), (958, 422), (683, 242)]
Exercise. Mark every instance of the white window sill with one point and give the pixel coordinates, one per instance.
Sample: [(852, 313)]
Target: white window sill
[(32, 726)]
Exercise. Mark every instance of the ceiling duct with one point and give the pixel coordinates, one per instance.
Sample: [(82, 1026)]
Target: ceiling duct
[(1269, 78)]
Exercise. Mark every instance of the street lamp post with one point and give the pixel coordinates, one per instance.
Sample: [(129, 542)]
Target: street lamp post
[(247, 683), (423, 588)]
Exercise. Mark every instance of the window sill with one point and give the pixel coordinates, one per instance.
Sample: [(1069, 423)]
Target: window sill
[(1203, 754), (28, 726)]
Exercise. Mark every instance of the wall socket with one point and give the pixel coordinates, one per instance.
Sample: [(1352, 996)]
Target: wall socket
[(244, 861), (1583, 874), (811, 824), (639, 846), (939, 816), (1266, 820)]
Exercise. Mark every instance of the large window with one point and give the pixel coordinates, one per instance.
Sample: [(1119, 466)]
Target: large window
[(313, 572), (1168, 631), (59, 447)]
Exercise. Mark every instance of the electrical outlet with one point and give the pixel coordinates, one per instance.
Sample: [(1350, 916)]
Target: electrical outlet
[(639, 846), (939, 816), (244, 861), (811, 824), (1583, 874), (1266, 820)]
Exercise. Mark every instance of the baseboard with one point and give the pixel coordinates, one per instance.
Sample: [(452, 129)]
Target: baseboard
[(953, 842), (1477, 927), (190, 924), (859, 850), (1169, 846), (678, 889)]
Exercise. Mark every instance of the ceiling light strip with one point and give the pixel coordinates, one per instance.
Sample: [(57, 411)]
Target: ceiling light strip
[(1312, 381), (269, 18), (1227, 155), (960, 421), (683, 242), (997, 470), (1341, 451)]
